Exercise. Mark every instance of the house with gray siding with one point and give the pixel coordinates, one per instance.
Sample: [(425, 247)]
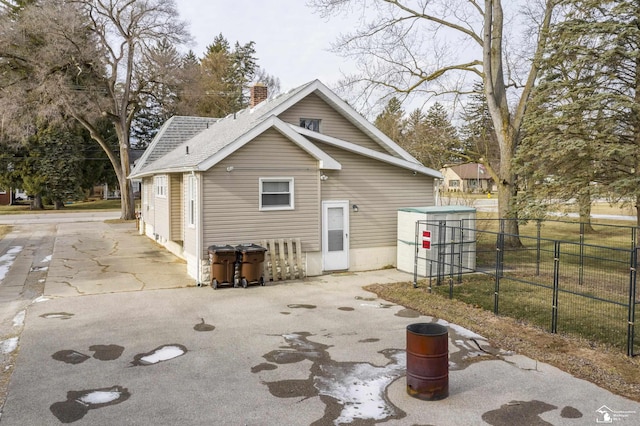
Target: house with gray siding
[(302, 165)]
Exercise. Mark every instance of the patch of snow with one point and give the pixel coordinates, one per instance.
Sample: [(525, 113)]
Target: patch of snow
[(41, 299), (100, 397), (9, 345), (371, 305), (163, 354), (7, 259), (361, 388), (47, 259), (18, 320), (461, 331)]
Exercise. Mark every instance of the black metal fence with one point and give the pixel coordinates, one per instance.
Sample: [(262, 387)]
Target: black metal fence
[(566, 277)]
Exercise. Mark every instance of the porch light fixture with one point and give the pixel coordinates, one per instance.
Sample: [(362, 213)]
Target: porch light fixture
[(229, 168), (324, 177), (355, 207)]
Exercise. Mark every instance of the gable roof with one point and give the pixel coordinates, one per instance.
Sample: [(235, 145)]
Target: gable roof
[(470, 171), (172, 134), (211, 145)]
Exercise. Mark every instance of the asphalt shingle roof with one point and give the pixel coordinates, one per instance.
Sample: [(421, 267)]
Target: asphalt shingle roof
[(170, 151)]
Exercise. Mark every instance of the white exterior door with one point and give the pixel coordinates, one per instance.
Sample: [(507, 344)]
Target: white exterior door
[(335, 235)]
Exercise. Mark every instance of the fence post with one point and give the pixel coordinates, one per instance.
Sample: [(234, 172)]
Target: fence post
[(556, 284), (499, 266), (632, 301), (581, 267), (442, 251), (538, 227), (461, 250), (415, 256)]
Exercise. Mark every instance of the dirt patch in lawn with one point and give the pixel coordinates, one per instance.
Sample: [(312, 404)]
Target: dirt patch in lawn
[(607, 367)]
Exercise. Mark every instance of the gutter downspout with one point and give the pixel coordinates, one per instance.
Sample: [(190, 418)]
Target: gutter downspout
[(199, 230)]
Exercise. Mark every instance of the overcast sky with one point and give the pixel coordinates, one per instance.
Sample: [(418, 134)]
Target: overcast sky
[(292, 41)]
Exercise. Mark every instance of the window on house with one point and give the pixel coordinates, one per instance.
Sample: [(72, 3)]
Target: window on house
[(310, 123), (192, 200), (161, 186), (2, 191), (454, 183), (276, 194)]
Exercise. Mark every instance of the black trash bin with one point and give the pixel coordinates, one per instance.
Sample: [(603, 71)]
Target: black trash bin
[(428, 361), (223, 261), (250, 264)]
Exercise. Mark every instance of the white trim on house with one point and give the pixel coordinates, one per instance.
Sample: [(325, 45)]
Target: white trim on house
[(351, 114), (325, 160), (291, 205), (410, 165)]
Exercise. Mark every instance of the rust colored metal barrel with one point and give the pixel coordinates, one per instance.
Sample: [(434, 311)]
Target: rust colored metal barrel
[(427, 361)]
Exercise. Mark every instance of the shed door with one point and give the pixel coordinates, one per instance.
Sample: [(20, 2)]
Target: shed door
[(335, 235)]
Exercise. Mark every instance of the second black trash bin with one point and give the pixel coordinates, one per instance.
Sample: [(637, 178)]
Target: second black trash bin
[(250, 263), (223, 265)]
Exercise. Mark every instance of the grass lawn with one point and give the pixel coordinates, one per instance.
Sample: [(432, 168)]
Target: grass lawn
[(73, 206)]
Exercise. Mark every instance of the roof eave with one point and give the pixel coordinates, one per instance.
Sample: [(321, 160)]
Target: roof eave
[(409, 165)]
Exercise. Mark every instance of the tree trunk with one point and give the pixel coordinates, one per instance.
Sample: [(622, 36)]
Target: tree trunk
[(36, 203), (58, 205), (584, 210)]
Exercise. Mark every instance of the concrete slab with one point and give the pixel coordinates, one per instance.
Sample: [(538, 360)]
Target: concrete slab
[(314, 351)]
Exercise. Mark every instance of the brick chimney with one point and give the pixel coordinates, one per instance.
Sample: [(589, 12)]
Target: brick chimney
[(259, 93)]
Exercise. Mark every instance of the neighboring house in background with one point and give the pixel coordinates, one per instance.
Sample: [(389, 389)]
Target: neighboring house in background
[(11, 195), (301, 165), (5, 197), (470, 177), (103, 191)]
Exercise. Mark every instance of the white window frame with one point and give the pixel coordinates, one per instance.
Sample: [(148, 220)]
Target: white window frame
[(290, 206), (192, 183), (304, 123), (160, 184)]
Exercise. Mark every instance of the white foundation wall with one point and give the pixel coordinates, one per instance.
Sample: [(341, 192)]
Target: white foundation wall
[(361, 259), (368, 259)]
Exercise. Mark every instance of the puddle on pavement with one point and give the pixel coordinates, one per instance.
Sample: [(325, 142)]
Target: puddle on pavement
[(70, 357), (366, 299), (57, 315), (371, 340), (285, 313), (106, 352), (300, 306), (407, 313), (79, 403), (38, 268), (570, 413), (353, 393), (346, 308), (265, 366), (519, 412), (159, 354), (204, 326)]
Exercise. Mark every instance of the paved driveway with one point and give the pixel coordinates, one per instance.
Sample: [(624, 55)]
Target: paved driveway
[(124, 338)]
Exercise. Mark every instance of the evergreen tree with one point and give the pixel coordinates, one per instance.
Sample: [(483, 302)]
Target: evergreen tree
[(389, 121), (478, 138), (583, 125), (225, 77), (442, 136)]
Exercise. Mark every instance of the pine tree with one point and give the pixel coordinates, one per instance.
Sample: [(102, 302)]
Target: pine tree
[(389, 121), (582, 131)]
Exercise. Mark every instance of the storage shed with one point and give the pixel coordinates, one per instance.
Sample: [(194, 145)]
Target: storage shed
[(439, 238)]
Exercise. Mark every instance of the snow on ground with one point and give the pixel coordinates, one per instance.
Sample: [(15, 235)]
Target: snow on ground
[(7, 259)]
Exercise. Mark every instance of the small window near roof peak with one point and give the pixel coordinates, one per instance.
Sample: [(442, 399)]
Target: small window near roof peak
[(310, 123)]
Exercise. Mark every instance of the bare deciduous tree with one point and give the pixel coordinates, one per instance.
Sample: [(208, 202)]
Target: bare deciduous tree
[(437, 47), (85, 57)]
